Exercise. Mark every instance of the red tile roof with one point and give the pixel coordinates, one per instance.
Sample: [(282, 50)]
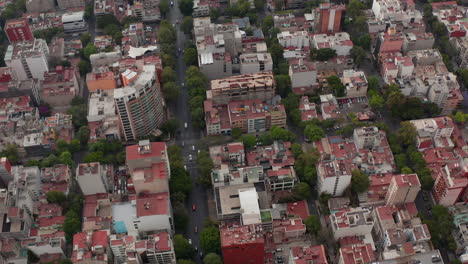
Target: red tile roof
[(299, 209), (152, 204), (157, 148)]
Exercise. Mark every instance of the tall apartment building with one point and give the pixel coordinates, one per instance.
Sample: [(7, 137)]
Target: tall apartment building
[(330, 18), (18, 30), (64, 4), (103, 121), (28, 59), (259, 85), (403, 189), (242, 244), (140, 104), (255, 62), (303, 74), (92, 178)]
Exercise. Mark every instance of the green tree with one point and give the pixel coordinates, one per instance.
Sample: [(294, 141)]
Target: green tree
[(355, 8), (187, 24), (210, 241), (441, 226), (460, 117), (181, 217), (358, 54), (85, 39), (249, 141), (84, 67), (406, 170), (377, 102), (171, 91), (89, 9), (276, 51), (83, 135), (313, 224), (279, 133), (182, 247), (407, 133), (198, 117), (313, 132), (71, 225), (214, 13), (302, 191), (335, 84), (267, 24), (168, 75), (236, 133), (180, 180), (170, 126), (283, 84), (463, 75), (107, 19), (74, 146), (373, 83), (212, 258), (97, 156), (296, 150), (66, 158), (186, 7), (190, 57), (259, 5), (363, 41), (205, 165), (61, 146), (359, 181), (11, 153), (89, 50), (325, 54), (79, 113), (164, 7), (57, 197)]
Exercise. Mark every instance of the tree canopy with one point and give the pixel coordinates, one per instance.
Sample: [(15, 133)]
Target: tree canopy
[(182, 247), (359, 181), (210, 241)]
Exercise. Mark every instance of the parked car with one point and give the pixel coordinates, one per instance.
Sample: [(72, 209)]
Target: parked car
[(194, 207), (190, 241), (196, 229)]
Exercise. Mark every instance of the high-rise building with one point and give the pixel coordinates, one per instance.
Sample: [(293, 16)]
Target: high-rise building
[(140, 104), (28, 59), (403, 189), (330, 18), (242, 244), (18, 30)]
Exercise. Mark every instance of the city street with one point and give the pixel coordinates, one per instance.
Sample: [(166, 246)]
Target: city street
[(190, 136)]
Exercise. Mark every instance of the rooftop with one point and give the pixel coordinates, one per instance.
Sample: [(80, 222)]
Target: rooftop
[(152, 204), (145, 149), (247, 234), (311, 254)]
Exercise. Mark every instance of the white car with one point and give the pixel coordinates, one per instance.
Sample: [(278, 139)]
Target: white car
[(190, 241), (190, 157), (193, 147), (185, 125), (185, 167)]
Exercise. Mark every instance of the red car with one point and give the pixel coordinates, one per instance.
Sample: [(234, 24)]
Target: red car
[(194, 207)]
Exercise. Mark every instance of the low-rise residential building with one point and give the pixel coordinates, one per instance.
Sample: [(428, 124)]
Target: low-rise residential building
[(417, 41), (103, 122), (59, 87), (316, 254), (355, 83), (281, 179), (351, 222), (74, 21), (340, 42), (354, 250), (92, 247), (255, 62), (43, 245), (294, 40), (329, 107), (101, 81), (303, 74), (259, 85), (93, 178), (157, 248), (308, 109), (144, 214), (56, 178), (248, 115), (39, 6)]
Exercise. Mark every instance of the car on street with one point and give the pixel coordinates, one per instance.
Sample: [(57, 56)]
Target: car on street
[(185, 124), (177, 21), (201, 254), (172, 3), (190, 241), (182, 84), (190, 157), (193, 147), (185, 167), (196, 229), (194, 207)]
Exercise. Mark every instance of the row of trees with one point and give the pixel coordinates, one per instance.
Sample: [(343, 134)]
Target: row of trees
[(72, 207), (196, 83)]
